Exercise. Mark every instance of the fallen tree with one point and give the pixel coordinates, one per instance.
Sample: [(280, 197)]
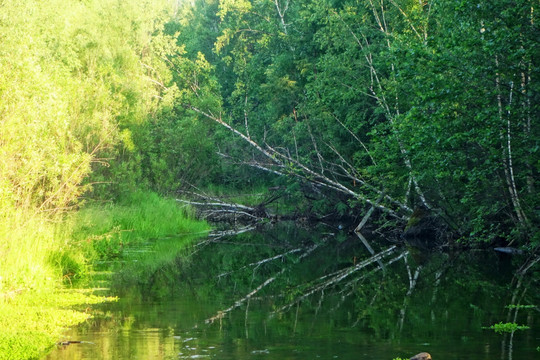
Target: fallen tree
[(280, 162), (213, 208)]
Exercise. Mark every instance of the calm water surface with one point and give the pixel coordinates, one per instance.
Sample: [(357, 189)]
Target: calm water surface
[(370, 314)]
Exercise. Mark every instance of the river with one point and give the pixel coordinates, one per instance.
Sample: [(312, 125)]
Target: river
[(290, 293)]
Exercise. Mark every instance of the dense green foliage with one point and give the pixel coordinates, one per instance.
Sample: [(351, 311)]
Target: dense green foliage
[(81, 92), (69, 93), (428, 103), (346, 104)]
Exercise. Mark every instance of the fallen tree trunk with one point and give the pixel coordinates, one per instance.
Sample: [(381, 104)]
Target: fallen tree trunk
[(215, 209), (283, 163)]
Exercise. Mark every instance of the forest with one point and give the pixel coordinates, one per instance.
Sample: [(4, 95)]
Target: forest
[(365, 112)]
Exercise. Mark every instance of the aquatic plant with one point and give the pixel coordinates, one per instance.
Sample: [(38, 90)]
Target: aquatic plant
[(509, 327)]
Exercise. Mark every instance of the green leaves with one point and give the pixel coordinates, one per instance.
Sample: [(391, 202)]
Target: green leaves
[(501, 327), (399, 96)]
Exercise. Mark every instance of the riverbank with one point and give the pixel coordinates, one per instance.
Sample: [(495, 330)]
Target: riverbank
[(46, 261)]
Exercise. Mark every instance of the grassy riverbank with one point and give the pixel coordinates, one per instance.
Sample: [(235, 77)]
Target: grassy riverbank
[(44, 260), (105, 231)]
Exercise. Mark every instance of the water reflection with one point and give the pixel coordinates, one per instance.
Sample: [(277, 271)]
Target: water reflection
[(331, 299)]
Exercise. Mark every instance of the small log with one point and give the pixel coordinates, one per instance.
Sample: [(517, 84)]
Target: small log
[(69, 342), (509, 250)]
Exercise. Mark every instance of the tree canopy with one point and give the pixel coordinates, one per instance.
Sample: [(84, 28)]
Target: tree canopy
[(393, 104), (371, 104)]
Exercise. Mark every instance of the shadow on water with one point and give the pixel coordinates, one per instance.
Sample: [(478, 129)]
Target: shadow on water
[(288, 293)]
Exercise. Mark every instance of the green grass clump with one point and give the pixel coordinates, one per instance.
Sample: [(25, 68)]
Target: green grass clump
[(105, 231), (146, 231)]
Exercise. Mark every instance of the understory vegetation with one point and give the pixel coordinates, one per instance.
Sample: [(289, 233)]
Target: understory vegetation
[(111, 109), (75, 78)]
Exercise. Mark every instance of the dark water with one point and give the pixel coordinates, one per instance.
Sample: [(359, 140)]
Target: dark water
[(307, 303)]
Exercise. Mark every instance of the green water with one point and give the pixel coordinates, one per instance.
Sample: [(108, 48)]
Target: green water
[(371, 313)]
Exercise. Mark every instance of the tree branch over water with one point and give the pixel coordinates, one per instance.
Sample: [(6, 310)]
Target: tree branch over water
[(297, 168)]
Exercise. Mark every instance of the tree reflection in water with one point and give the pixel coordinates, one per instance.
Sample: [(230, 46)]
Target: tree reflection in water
[(288, 292)]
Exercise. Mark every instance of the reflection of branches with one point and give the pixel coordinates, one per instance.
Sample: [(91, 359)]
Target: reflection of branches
[(240, 302), (336, 277), (517, 297), (350, 287), (263, 261), (214, 236), (412, 284), (438, 276)]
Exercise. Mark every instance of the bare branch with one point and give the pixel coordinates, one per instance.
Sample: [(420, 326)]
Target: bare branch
[(355, 137), (281, 13)]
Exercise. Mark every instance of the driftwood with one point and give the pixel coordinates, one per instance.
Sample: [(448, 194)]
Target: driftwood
[(215, 209)]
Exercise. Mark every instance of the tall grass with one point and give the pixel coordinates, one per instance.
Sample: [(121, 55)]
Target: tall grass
[(34, 253), (106, 231), (40, 255), (27, 240)]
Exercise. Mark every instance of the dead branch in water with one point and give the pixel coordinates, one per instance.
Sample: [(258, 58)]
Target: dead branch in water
[(279, 160), (213, 208)]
